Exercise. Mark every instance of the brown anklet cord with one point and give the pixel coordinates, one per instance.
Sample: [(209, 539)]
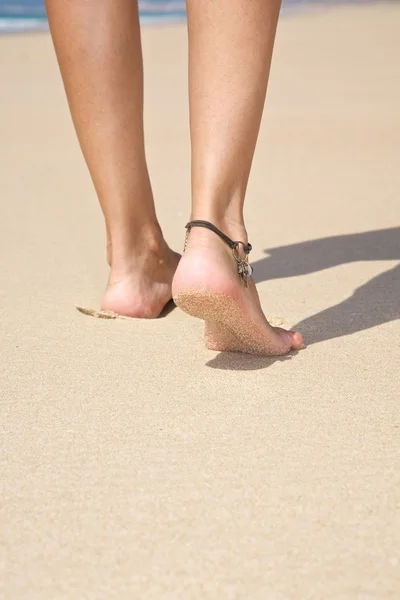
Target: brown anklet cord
[(246, 247), (244, 269)]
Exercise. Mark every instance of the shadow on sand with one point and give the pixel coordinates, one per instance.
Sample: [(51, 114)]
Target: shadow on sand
[(374, 303)]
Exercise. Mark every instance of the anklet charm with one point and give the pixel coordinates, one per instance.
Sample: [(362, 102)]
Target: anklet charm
[(244, 269)]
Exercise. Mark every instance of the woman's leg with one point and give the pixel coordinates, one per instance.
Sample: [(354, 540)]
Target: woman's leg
[(230, 49), (99, 51)]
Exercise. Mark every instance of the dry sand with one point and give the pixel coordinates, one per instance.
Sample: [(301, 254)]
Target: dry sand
[(134, 462)]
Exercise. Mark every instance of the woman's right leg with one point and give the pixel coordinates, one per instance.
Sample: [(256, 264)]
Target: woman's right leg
[(99, 52), (230, 49)]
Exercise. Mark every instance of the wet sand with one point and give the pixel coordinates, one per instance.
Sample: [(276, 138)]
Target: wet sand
[(137, 464)]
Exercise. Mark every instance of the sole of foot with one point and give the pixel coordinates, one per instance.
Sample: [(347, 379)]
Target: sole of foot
[(207, 286)]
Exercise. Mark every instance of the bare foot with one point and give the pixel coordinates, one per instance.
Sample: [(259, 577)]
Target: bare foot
[(141, 287), (207, 285)]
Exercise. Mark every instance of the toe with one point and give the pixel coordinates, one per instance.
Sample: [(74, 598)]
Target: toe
[(297, 341), (291, 340)]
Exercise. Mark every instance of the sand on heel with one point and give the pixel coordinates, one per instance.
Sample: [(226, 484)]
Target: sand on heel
[(225, 314)]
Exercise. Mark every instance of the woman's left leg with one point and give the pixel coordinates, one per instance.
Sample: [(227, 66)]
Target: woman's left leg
[(100, 56)]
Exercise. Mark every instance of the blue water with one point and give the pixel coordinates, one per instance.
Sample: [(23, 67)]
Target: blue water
[(23, 15)]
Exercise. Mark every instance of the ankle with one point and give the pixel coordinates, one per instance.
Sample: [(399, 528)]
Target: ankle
[(233, 227), (221, 204), (132, 253)]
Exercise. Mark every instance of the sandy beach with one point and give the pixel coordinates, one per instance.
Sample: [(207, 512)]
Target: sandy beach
[(134, 462)]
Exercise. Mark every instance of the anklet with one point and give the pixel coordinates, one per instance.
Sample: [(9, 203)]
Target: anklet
[(243, 267)]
